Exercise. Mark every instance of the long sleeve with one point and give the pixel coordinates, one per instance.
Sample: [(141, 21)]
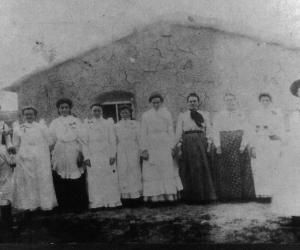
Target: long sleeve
[(216, 131), (16, 139), (112, 140), (279, 125), (171, 130), (179, 128), (138, 133), (8, 140), (84, 138), (52, 133), (246, 139), (208, 127), (144, 133)]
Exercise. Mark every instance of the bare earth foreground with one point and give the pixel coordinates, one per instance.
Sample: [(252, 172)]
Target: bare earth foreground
[(218, 223)]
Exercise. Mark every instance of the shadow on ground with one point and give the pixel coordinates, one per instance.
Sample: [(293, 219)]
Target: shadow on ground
[(220, 223)]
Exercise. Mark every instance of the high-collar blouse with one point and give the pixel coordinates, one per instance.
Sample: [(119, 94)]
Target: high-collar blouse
[(186, 123)]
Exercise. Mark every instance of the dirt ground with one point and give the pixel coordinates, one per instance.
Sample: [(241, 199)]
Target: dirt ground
[(218, 223)]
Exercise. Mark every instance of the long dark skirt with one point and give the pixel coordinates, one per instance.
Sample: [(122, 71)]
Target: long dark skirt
[(235, 179), (194, 170), (71, 194)]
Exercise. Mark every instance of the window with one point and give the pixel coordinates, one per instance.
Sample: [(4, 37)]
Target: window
[(111, 102), (111, 109)]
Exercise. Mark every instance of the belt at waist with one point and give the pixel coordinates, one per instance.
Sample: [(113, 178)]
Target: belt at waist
[(193, 132)]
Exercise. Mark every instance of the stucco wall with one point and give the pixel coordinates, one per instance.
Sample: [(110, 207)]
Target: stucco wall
[(174, 59)]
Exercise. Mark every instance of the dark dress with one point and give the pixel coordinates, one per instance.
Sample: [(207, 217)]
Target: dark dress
[(194, 169), (71, 194), (234, 179), (67, 164)]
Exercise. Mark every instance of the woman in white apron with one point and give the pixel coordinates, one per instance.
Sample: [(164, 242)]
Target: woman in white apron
[(286, 198), (128, 159), (32, 178), (267, 129), (161, 180), (67, 159), (100, 155)]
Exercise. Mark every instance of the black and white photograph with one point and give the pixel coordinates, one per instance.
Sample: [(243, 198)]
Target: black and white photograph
[(140, 123)]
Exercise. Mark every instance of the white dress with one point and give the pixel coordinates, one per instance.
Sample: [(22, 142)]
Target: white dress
[(32, 178), (161, 179), (5, 169), (128, 162), (286, 198), (100, 145), (266, 122), (66, 135)]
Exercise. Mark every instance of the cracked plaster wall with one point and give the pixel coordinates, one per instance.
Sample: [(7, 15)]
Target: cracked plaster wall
[(174, 59)]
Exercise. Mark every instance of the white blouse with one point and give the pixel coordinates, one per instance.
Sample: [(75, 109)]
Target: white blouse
[(186, 123), (99, 136), (127, 132), (230, 121), (65, 129), (267, 121), (157, 129)]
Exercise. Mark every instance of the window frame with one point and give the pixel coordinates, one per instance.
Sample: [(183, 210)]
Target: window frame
[(116, 103)]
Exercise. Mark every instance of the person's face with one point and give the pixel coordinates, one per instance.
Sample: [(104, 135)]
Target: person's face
[(125, 114), (64, 109), (265, 101), (193, 103), (97, 111), (29, 115), (156, 103), (230, 102)]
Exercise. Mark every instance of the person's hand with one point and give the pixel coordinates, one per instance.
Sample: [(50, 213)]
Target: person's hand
[(87, 163), (145, 155), (219, 150), (174, 152), (112, 160), (242, 149), (12, 150), (252, 152)]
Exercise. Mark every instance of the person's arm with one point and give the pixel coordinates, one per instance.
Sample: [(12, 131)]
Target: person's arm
[(52, 133), (144, 138), (16, 139), (246, 138), (216, 131), (112, 142), (279, 125), (179, 129), (208, 130), (7, 135), (84, 139), (138, 133), (171, 129), (144, 133)]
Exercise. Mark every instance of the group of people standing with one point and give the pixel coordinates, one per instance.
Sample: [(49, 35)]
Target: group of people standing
[(96, 163)]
